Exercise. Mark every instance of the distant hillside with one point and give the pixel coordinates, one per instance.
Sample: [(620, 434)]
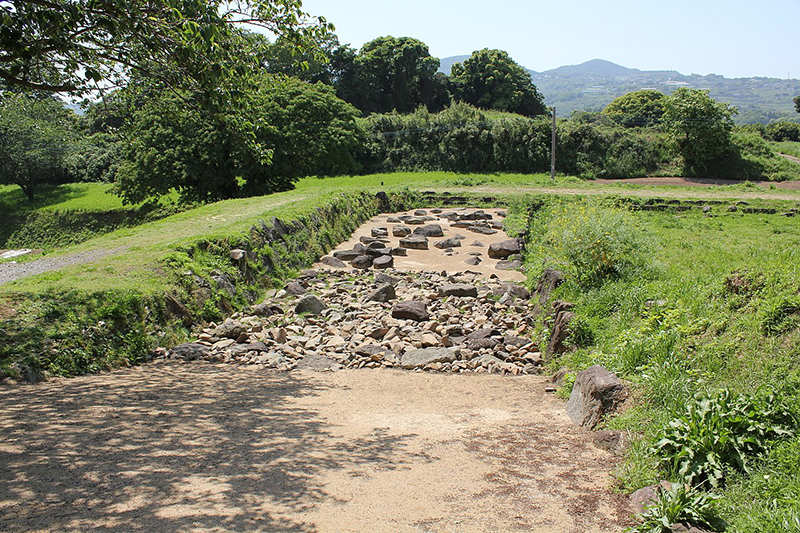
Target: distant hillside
[(447, 63), (592, 85)]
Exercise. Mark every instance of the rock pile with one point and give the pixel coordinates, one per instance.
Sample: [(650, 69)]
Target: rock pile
[(334, 319)]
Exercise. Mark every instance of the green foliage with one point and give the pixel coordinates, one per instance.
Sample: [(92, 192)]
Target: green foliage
[(638, 108), (721, 433), (94, 158), (35, 137), (677, 504), (797, 103), (490, 79), (783, 131), (393, 74), (701, 128)]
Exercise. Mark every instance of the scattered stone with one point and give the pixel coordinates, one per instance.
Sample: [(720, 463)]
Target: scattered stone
[(189, 351), (647, 496), (414, 242), (431, 230), (514, 264), (308, 274), (265, 310), (503, 249), (611, 441), (562, 318), (309, 304), (399, 252), (384, 261), (452, 242), (346, 255), (596, 392), (379, 233), (362, 262), (411, 310), (550, 279), (418, 358), (459, 290), (230, 329), (420, 213), (332, 262), (384, 293), (378, 252), (295, 289), (473, 261), (401, 231), (477, 244), (316, 362), (386, 278)]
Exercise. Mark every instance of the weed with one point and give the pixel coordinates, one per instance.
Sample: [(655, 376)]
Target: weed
[(678, 504)]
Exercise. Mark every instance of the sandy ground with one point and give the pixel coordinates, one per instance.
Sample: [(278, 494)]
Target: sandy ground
[(200, 447), (435, 259)]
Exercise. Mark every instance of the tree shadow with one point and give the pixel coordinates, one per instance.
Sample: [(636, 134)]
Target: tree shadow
[(173, 448)]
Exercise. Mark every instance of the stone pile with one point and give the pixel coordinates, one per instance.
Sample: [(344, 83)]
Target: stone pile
[(335, 319)]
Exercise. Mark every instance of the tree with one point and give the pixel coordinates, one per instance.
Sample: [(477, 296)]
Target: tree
[(77, 46), (638, 108), (393, 74), (701, 128), (797, 103), (303, 128), (35, 137), (490, 79)]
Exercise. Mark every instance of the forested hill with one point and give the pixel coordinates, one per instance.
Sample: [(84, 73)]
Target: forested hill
[(590, 86)]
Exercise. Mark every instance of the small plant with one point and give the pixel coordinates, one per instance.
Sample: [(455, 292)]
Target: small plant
[(720, 433), (678, 504)]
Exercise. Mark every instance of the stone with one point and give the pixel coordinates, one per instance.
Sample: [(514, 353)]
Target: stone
[(414, 242), (265, 310), (596, 393), (332, 262), (611, 441), (237, 254), (316, 362), (549, 280), (484, 230), (459, 290), (425, 356), (379, 233), (420, 213), (362, 262), (509, 265), (230, 329), (401, 231), (378, 252), (473, 261), (294, 288), (384, 261), (382, 278), (477, 244), (411, 310), (189, 351), (399, 252), (517, 290), (346, 255), (452, 242), (384, 293), (309, 304), (503, 249), (648, 495), (308, 274), (429, 339), (430, 230), (561, 321)]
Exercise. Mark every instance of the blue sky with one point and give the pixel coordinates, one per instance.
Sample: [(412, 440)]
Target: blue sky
[(734, 38)]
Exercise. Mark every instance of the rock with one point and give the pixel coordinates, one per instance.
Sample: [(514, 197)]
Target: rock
[(401, 231), (366, 240), (648, 495), (294, 288), (411, 310), (687, 527), (430, 230), (384, 261), (561, 322), (426, 356), (189, 351), (484, 230), (382, 278), (509, 265), (265, 310), (413, 221), (230, 329), (517, 290), (399, 252), (560, 375), (429, 339), (379, 233), (362, 261), (611, 441), (316, 362), (309, 304), (308, 274), (414, 242), (332, 262), (378, 252), (452, 242), (478, 244), (460, 290), (420, 213), (384, 293), (473, 261), (346, 255), (596, 393), (501, 250), (237, 254), (549, 280)]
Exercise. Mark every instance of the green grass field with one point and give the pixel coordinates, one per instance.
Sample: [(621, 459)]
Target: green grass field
[(787, 147)]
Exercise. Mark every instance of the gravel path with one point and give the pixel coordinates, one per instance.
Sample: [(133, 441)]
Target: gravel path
[(14, 271), (203, 447)]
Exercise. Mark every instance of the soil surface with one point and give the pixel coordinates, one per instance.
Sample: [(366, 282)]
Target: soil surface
[(14, 271), (202, 447)]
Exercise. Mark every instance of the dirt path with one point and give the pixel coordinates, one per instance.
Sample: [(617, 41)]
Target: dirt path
[(13, 271), (202, 447)]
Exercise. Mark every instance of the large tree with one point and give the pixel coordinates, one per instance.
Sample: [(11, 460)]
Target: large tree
[(797, 103), (393, 74), (637, 108), (701, 128), (490, 79)]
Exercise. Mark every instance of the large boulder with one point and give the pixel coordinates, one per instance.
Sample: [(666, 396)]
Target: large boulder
[(346, 255), (362, 261), (383, 262), (430, 230), (596, 393), (503, 249), (401, 231), (230, 329), (411, 310), (459, 290), (332, 262), (309, 304), (414, 242), (425, 356), (452, 242)]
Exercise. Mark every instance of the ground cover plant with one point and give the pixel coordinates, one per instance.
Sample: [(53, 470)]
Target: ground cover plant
[(704, 324)]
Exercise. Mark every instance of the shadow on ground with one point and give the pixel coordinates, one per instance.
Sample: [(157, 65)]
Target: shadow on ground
[(171, 449)]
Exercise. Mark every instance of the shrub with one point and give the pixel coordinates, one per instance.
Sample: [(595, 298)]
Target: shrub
[(678, 504)]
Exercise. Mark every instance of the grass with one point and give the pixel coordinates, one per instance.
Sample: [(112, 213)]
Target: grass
[(67, 197), (787, 147)]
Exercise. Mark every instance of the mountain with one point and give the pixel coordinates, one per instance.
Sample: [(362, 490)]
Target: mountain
[(592, 85), (447, 63)]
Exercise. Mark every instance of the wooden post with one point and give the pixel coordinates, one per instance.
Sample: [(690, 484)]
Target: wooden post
[(553, 149)]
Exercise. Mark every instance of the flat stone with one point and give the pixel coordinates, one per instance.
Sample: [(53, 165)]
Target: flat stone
[(294, 288), (382, 278), (509, 265), (384, 293), (189, 351), (401, 231), (362, 262), (399, 252), (309, 304), (459, 290), (452, 242), (503, 249), (411, 310), (384, 261), (332, 262), (473, 261), (379, 232), (414, 242), (315, 362), (426, 356), (346, 255), (430, 230)]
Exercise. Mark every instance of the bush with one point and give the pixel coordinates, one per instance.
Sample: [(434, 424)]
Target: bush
[(678, 504), (783, 131)]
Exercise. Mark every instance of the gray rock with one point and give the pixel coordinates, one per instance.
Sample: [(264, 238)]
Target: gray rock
[(265, 309), (483, 230), (648, 495), (562, 318), (366, 240), (430, 230), (517, 290), (189, 351), (309, 304), (377, 252), (452, 242), (294, 288), (379, 233), (384, 261), (549, 280), (611, 441), (477, 244), (420, 213), (473, 261), (401, 231), (308, 274), (414, 242), (411, 310), (509, 265), (362, 262), (346, 255), (332, 262), (230, 329), (238, 255), (384, 293), (315, 362), (425, 356), (399, 252), (596, 393), (382, 278), (460, 290), (501, 250)]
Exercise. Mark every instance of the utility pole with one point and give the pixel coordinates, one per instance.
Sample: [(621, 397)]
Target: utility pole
[(553, 149)]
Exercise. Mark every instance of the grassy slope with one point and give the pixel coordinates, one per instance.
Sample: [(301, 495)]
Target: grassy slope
[(787, 147), (70, 196)]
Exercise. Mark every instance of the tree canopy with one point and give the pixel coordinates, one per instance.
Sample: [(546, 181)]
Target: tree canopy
[(638, 108), (797, 103), (490, 79)]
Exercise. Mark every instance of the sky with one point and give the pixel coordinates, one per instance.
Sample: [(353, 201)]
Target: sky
[(733, 38)]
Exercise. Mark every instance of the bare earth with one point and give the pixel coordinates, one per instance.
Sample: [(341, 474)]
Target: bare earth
[(201, 447)]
